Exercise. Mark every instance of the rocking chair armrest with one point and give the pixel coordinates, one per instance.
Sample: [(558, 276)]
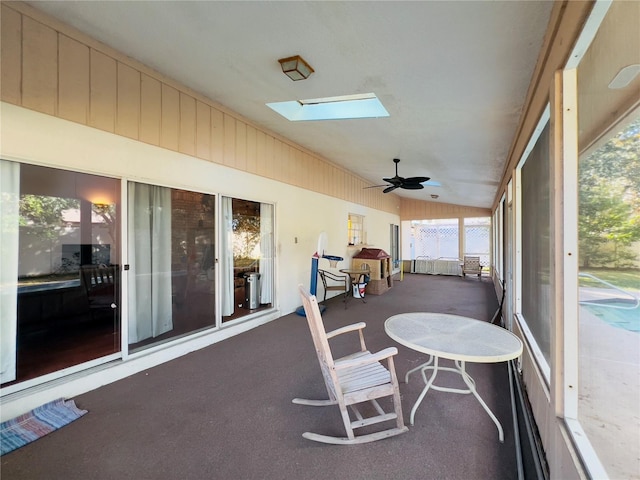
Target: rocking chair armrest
[(346, 329), (366, 359)]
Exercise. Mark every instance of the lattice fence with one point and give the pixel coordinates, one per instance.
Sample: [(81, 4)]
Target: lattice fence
[(477, 242), (436, 241)]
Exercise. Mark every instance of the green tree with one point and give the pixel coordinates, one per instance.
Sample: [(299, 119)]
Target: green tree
[(609, 196), (246, 229), (44, 213)]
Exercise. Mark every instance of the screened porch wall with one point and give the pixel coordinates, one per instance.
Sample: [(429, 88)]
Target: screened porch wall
[(612, 51)]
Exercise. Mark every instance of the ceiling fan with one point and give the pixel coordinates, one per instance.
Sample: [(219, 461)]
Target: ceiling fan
[(410, 183)]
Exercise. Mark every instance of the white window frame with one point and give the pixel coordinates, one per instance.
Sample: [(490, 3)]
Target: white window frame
[(353, 221), (541, 363)]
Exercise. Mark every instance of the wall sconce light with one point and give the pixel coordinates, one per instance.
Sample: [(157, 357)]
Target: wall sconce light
[(295, 68)]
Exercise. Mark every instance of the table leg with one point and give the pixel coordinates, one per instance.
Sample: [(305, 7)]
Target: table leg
[(468, 380), (427, 386), (349, 291), (419, 367), (472, 388)]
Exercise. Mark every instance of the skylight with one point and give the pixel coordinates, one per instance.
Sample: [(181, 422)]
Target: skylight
[(364, 105)]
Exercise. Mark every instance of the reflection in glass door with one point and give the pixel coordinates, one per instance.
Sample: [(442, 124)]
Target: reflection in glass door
[(248, 255), (60, 270), (609, 296), (171, 283)]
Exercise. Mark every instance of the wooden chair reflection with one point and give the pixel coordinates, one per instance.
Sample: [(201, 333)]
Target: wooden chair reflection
[(99, 282)]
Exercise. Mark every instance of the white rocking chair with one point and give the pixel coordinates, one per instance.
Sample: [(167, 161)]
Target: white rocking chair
[(356, 378)]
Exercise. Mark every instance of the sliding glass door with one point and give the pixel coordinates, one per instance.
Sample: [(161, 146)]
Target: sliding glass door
[(62, 267), (172, 263), (60, 258), (248, 255)]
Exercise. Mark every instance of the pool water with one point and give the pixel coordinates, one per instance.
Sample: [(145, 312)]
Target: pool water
[(618, 313)]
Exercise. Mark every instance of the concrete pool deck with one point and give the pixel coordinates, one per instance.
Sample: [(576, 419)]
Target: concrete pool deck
[(609, 392)]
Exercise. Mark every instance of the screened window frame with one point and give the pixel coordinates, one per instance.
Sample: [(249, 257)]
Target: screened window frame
[(541, 362), (572, 151)]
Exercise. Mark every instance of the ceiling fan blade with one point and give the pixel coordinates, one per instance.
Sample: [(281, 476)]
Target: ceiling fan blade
[(416, 179), (376, 186), (394, 180), (411, 183)]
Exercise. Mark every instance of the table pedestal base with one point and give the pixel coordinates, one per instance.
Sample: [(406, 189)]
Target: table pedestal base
[(432, 364)]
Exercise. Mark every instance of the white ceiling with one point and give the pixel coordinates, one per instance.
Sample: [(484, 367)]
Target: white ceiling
[(453, 75)]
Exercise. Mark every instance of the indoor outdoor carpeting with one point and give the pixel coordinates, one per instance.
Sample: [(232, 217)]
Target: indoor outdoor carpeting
[(225, 412)]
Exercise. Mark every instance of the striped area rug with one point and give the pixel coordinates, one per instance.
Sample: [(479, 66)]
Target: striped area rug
[(37, 423)]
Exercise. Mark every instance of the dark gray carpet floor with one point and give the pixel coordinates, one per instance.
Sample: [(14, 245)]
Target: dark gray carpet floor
[(225, 412)]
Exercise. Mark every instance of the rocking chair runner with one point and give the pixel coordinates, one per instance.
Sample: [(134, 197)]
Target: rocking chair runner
[(351, 380)]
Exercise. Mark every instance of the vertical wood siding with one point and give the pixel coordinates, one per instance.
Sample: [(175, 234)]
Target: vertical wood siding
[(103, 93), (73, 86), (39, 67), (417, 210), (11, 56), (54, 69)]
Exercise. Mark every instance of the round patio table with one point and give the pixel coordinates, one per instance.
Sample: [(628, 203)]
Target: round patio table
[(457, 338)]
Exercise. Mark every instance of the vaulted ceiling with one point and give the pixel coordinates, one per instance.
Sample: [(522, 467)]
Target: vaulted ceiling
[(453, 75)]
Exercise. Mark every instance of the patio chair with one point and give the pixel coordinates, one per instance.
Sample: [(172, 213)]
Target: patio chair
[(334, 282), (471, 265), (353, 380)]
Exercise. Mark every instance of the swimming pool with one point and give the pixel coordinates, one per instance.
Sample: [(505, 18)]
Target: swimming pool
[(617, 312), (613, 305)]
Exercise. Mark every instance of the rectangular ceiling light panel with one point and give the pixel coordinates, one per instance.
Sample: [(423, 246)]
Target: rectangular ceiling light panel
[(345, 107)]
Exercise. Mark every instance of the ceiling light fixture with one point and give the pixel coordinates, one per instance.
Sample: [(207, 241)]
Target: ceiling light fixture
[(625, 76), (295, 68)]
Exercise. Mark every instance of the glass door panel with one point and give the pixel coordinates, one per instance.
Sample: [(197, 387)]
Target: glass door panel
[(62, 307), (247, 257), (172, 264), (609, 300)]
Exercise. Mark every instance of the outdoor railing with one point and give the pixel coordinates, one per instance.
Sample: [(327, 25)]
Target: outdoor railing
[(635, 300)]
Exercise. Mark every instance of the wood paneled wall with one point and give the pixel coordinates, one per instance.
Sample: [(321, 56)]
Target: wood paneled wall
[(419, 210), (51, 68)]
